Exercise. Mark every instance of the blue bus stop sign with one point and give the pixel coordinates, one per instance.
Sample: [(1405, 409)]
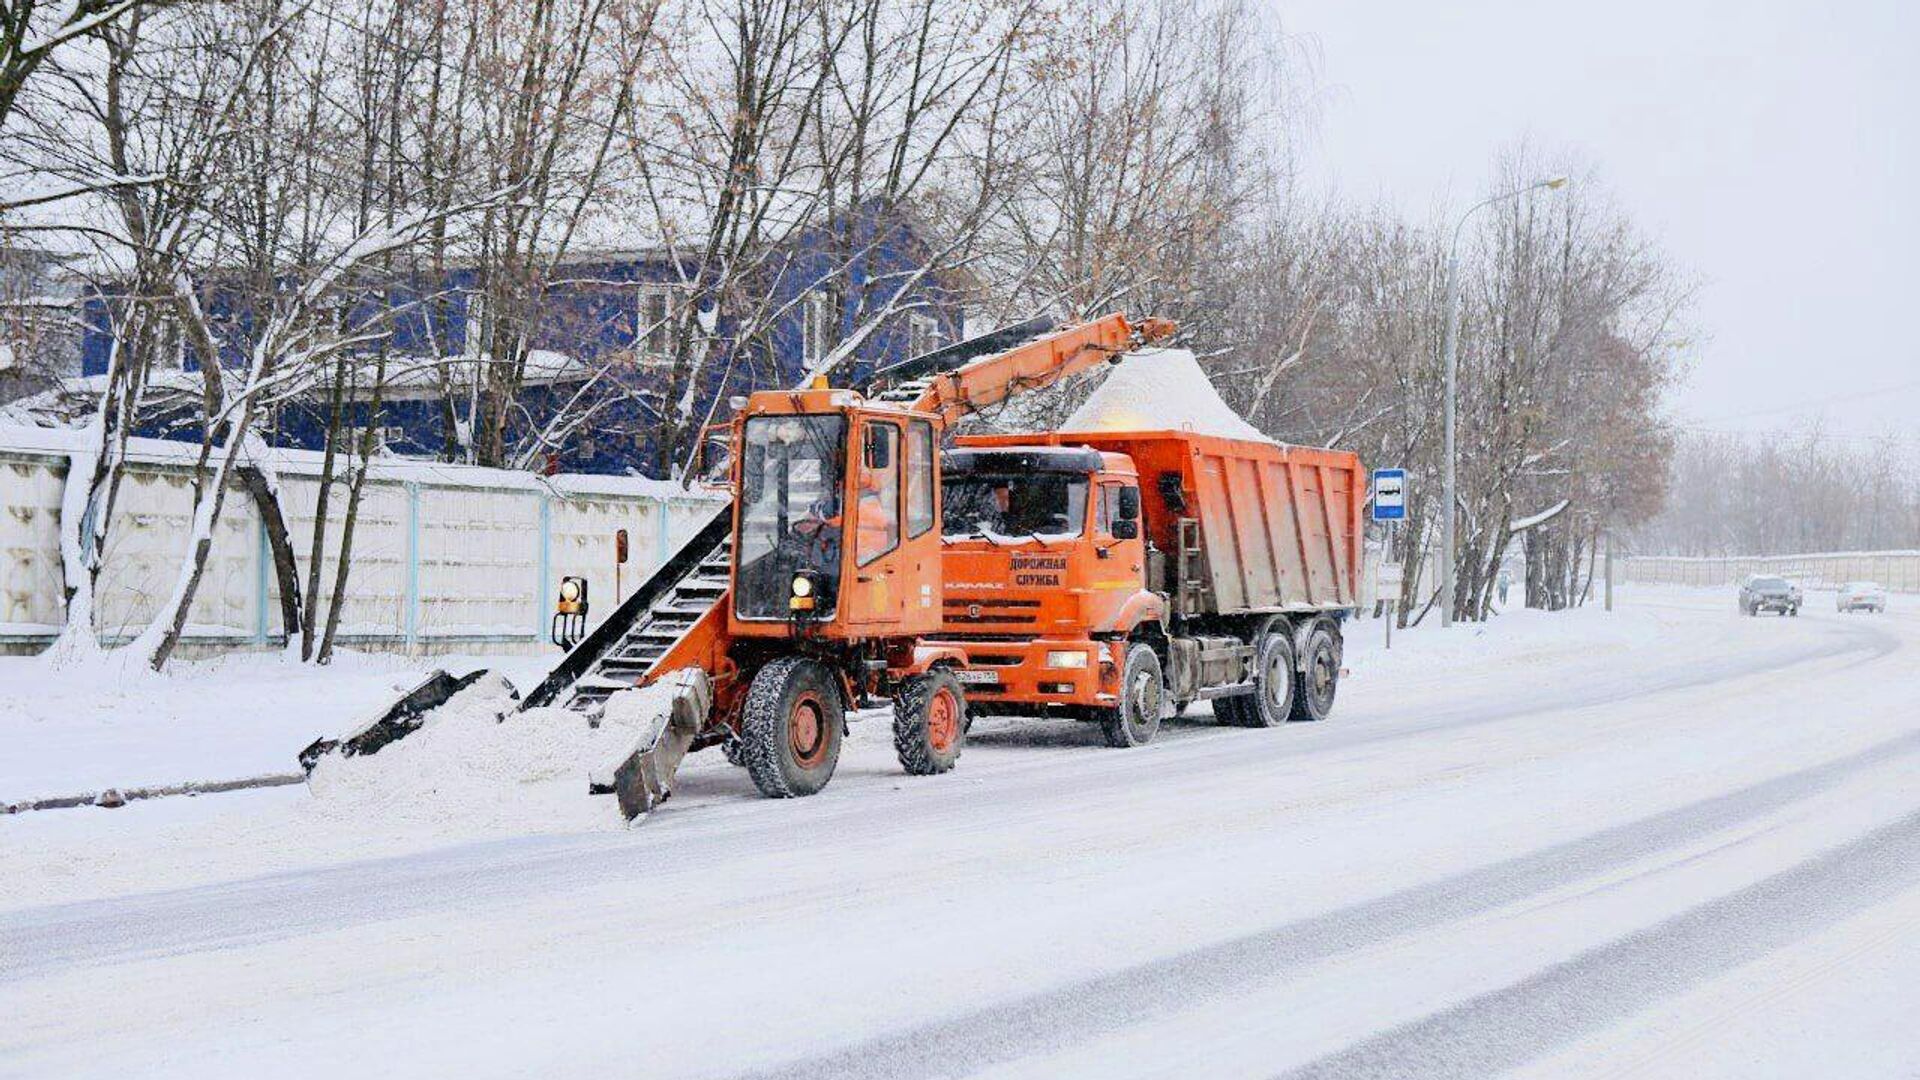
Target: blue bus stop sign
[(1389, 494)]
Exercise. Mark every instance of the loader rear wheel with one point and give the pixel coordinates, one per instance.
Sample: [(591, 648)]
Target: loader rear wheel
[(929, 723), (1142, 693), (1319, 676), (790, 728), (1271, 703)]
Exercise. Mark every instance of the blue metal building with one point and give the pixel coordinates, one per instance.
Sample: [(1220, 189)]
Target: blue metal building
[(599, 347)]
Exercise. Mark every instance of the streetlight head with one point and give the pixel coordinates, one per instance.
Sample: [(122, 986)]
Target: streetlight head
[(1555, 182)]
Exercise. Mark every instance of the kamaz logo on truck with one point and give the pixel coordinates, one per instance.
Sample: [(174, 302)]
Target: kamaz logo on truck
[(1038, 569)]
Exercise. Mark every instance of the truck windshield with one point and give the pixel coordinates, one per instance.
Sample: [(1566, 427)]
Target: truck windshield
[(792, 470), (1043, 505)]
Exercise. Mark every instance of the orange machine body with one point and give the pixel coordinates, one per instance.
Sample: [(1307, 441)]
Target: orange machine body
[(848, 490)]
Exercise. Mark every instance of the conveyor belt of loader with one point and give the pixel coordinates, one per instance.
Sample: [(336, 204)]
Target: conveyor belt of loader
[(623, 651)]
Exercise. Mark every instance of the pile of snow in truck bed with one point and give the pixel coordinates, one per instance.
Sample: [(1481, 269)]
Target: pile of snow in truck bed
[(1160, 390)]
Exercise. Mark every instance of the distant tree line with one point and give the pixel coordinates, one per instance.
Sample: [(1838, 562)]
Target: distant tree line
[(1785, 494)]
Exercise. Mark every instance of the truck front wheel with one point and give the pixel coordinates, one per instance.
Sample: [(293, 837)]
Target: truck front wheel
[(929, 723), (1137, 718), (1319, 676), (790, 727)]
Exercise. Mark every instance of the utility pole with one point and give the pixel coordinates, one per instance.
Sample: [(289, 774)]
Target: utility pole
[(1449, 349), (1609, 536)]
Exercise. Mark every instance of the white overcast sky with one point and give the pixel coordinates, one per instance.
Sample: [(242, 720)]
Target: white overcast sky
[(1770, 148)]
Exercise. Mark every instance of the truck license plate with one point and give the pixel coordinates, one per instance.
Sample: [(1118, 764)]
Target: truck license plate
[(976, 678)]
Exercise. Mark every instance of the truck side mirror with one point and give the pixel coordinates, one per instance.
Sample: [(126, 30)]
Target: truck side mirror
[(1129, 507), (1126, 529)]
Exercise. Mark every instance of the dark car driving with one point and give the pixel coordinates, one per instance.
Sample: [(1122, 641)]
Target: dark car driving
[(1763, 592)]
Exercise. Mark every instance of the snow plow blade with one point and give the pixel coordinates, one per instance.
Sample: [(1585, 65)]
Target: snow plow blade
[(401, 719), (672, 711)]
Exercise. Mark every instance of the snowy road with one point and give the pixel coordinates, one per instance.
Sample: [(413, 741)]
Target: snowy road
[(1670, 841)]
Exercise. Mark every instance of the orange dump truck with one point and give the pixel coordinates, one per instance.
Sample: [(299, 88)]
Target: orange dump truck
[(1114, 576)]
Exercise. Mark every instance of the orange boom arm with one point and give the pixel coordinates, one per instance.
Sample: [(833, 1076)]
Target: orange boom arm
[(1045, 360)]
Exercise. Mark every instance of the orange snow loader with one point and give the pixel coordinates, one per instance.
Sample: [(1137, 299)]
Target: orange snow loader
[(1112, 576), (814, 591)]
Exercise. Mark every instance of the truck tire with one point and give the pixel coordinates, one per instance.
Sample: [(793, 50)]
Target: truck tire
[(1275, 687), (929, 723), (1142, 694), (1319, 676), (790, 727)]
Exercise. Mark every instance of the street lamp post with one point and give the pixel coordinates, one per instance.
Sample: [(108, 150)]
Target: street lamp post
[(1448, 351)]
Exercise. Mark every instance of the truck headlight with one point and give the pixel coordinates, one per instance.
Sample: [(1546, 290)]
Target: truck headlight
[(1067, 658), (802, 585)]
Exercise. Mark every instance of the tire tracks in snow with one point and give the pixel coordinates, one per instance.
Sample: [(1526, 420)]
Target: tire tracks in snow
[(1086, 1009), (1511, 1026)]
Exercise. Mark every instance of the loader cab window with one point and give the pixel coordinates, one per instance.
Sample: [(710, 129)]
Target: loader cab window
[(879, 490), (1004, 508), (792, 474), (919, 477)]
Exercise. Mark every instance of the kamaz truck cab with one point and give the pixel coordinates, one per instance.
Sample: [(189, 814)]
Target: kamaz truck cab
[(1044, 574)]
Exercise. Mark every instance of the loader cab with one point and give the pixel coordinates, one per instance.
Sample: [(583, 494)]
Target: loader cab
[(835, 526)]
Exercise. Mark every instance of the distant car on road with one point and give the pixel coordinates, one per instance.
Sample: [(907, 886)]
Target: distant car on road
[(1861, 596), (1764, 592)]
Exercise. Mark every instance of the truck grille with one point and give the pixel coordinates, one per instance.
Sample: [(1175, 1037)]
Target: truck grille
[(962, 610)]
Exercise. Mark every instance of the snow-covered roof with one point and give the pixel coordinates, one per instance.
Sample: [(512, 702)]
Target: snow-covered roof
[(21, 439)]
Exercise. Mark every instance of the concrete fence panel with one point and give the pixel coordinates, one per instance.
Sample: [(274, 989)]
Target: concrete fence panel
[(1899, 571), (444, 557)]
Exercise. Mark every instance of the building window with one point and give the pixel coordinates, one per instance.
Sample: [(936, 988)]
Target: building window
[(654, 334), (923, 334), (814, 327)]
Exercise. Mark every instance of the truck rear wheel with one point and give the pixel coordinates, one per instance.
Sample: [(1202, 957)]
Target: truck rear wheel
[(929, 723), (1319, 676), (1137, 719), (790, 727), (1271, 703)]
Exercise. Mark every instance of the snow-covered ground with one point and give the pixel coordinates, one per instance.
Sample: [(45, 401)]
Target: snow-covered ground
[(1665, 841), (72, 730)]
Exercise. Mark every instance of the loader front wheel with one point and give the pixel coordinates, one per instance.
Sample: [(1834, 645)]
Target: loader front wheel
[(790, 727), (1136, 720), (929, 723)]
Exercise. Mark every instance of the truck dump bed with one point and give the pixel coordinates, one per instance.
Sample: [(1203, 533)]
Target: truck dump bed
[(1244, 526)]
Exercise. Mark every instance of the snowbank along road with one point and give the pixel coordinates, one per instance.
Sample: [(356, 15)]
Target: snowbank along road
[(1666, 841)]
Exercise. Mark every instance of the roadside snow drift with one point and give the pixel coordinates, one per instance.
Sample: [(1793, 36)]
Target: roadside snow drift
[(1160, 390)]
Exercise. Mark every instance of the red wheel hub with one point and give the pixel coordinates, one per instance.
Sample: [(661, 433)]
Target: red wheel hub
[(943, 720), (807, 731)]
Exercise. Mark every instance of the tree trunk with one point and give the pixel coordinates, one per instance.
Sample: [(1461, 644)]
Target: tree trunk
[(286, 566)]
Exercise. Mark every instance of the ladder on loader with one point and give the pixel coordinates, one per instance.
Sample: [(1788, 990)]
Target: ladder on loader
[(627, 649)]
